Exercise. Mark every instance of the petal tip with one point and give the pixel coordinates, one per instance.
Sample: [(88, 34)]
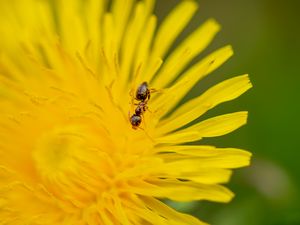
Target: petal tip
[(214, 24)]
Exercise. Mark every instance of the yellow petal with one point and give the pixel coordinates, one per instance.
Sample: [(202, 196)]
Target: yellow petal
[(6, 176), (167, 100), (143, 50), (202, 175), (121, 13), (173, 216), (179, 137), (173, 25), (131, 41), (185, 52), (169, 30), (222, 92), (212, 127), (77, 39), (94, 11), (17, 207), (185, 191), (120, 212), (217, 158)]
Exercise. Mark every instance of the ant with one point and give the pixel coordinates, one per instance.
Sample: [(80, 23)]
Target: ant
[(142, 95)]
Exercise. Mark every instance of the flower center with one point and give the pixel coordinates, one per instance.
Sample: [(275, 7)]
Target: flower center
[(79, 166), (56, 152), (70, 166)]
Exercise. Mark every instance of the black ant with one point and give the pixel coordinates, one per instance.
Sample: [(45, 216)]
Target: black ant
[(142, 95)]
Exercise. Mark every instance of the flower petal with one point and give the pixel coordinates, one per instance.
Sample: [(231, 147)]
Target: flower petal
[(197, 159), (175, 22), (167, 100), (121, 12), (135, 31), (175, 217), (222, 92), (185, 52), (169, 30), (216, 126), (183, 191)]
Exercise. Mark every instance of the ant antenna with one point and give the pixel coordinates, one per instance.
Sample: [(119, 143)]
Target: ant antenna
[(148, 136)]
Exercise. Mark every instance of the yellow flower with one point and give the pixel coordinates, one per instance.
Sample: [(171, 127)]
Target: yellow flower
[(68, 75)]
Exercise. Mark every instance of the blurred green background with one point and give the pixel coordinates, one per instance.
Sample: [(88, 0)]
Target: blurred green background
[(265, 35)]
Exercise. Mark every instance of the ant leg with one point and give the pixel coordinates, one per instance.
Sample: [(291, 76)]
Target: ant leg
[(143, 119), (149, 110), (131, 95), (146, 107), (153, 90), (148, 98), (148, 136), (129, 117), (131, 92), (131, 99)]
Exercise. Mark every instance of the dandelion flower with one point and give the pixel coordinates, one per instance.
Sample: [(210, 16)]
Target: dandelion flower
[(68, 74)]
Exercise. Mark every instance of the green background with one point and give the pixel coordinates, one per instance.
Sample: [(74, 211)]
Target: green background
[(265, 36)]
